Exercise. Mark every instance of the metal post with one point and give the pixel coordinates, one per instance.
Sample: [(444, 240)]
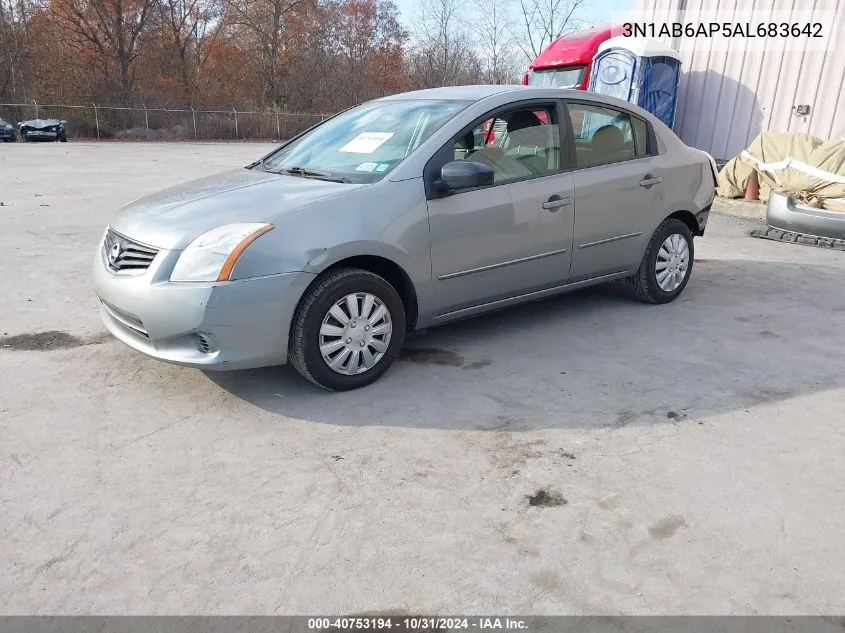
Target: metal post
[(36, 107), (194, 117), (96, 120), (146, 119), (236, 124), (278, 129)]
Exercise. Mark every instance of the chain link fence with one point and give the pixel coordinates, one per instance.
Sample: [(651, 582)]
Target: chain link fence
[(98, 122)]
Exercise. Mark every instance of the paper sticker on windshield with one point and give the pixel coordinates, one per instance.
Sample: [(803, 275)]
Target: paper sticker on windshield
[(366, 142), (382, 167), (366, 167)]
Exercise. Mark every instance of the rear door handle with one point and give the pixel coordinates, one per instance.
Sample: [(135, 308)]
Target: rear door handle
[(648, 182), (556, 202)]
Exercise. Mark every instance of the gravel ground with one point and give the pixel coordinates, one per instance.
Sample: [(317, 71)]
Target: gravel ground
[(587, 454)]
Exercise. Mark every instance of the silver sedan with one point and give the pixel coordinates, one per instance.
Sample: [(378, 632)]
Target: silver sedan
[(400, 214)]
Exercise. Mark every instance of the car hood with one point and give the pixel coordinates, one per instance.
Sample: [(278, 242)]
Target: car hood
[(173, 217), (41, 123)]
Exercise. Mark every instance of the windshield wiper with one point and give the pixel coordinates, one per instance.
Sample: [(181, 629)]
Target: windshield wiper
[(259, 164), (317, 174)]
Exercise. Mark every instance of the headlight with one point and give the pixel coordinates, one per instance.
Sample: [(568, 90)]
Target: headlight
[(212, 256)]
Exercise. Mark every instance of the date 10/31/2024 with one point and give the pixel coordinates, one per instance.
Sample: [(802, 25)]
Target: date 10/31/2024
[(416, 623)]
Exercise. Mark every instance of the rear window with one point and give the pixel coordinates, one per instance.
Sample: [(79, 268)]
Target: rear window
[(640, 136), (606, 135)]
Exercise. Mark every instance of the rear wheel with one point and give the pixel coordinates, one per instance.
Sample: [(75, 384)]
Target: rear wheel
[(347, 330), (666, 265)]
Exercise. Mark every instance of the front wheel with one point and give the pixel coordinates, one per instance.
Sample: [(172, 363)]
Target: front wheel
[(666, 265), (347, 330)]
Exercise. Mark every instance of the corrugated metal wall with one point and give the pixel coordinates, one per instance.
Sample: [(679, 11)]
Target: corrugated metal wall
[(728, 97)]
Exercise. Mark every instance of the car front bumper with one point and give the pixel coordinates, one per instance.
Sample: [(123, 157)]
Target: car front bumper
[(214, 326), (40, 135)]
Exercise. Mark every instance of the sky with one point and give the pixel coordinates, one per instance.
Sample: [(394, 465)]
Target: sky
[(595, 12)]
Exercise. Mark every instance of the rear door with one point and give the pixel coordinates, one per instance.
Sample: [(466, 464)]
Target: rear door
[(618, 181)]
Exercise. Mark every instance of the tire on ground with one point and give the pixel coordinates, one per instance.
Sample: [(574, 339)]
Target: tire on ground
[(643, 284), (304, 345)]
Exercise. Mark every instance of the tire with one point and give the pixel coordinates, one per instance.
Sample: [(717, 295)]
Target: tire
[(63, 138), (644, 284), (313, 315)]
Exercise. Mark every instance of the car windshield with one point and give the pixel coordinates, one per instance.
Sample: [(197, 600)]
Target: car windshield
[(364, 144), (557, 77)]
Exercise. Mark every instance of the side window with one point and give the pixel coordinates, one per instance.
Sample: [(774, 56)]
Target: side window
[(640, 136), (517, 144), (605, 135)]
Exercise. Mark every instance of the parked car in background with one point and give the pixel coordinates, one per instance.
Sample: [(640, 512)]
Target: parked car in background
[(398, 215), (43, 130), (7, 132)]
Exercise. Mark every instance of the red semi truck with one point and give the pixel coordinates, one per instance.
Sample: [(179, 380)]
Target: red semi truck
[(566, 62)]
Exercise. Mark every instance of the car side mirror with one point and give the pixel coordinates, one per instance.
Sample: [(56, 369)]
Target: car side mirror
[(464, 174)]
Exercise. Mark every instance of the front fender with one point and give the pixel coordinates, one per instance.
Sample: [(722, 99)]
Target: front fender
[(388, 220)]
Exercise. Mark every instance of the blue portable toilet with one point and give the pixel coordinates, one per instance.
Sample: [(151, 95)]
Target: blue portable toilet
[(644, 71)]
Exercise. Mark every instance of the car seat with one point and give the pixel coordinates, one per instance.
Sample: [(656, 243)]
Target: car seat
[(530, 142), (608, 143)]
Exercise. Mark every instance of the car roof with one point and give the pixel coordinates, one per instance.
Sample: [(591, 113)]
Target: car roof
[(450, 93), (479, 92), (504, 94)]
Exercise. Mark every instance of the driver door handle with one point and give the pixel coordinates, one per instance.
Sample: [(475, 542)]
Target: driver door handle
[(556, 202), (648, 181)]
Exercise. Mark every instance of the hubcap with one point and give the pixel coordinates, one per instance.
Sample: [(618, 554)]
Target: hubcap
[(672, 262), (355, 333)]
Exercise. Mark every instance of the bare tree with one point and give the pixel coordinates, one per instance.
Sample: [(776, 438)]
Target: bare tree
[(497, 47), (544, 21), (266, 22), (366, 32), (12, 35), (444, 54), (113, 28), (187, 25)]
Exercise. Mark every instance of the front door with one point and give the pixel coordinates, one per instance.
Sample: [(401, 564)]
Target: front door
[(619, 189), (514, 236)]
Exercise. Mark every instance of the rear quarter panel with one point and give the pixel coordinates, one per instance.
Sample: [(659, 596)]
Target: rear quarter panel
[(689, 182), (688, 185)]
